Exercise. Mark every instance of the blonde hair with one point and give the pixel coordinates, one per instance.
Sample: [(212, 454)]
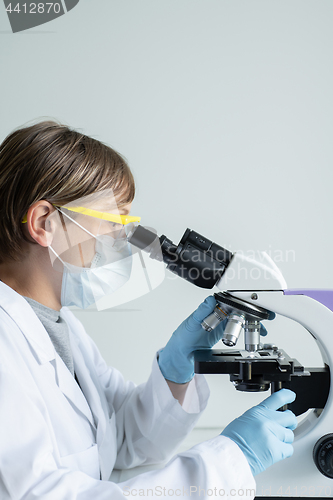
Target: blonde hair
[(50, 161)]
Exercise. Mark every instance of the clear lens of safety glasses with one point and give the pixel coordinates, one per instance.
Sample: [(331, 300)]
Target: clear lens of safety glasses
[(77, 225), (90, 237), (146, 274), (118, 237)]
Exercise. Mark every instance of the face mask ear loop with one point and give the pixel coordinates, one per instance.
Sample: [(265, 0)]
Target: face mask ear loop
[(61, 215), (64, 228), (57, 256), (79, 225)]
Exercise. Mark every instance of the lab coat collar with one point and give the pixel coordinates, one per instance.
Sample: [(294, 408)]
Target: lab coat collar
[(24, 316), (22, 313)]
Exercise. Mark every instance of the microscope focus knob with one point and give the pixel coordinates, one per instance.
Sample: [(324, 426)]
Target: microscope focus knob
[(323, 455)]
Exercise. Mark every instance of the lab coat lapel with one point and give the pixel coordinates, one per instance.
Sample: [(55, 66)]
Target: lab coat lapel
[(104, 415), (104, 418), (69, 387), (91, 388)]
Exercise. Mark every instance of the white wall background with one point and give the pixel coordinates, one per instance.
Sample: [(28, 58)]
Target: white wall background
[(223, 109)]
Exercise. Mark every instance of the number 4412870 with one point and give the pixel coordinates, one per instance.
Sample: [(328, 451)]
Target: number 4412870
[(35, 8)]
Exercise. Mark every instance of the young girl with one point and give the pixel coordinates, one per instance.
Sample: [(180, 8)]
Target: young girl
[(66, 418)]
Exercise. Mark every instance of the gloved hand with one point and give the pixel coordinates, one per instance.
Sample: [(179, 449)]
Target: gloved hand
[(176, 359), (263, 434)]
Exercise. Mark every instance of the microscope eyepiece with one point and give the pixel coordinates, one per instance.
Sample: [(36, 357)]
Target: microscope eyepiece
[(142, 238), (145, 239), (195, 258)]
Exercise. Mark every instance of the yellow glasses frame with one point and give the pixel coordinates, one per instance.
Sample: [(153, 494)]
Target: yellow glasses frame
[(117, 218)]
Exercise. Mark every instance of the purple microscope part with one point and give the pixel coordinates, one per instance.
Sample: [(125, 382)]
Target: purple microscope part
[(324, 296)]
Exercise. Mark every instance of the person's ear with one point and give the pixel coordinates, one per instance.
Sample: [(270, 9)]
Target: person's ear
[(39, 224)]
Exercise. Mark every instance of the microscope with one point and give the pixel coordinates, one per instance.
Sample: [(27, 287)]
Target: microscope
[(250, 291)]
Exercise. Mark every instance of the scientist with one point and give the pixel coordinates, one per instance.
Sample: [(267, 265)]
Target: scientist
[(66, 418)]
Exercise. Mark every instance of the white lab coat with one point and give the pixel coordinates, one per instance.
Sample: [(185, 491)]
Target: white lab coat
[(59, 443)]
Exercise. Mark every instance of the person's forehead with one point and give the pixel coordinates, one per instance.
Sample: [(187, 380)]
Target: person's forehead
[(116, 200), (116, 205), (104, 201)]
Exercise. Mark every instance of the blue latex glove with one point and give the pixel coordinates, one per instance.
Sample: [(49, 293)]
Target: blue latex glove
[(263, 434), (176, 359)]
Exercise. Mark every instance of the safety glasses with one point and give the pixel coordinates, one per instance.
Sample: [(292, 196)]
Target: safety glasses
[(89, 239), (116, 218)]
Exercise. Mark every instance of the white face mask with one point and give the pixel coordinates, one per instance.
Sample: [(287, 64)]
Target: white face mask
[(83, 287)]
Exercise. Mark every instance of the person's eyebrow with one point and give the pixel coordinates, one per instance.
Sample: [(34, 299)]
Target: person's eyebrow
[(112, 209), (122, 211)]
